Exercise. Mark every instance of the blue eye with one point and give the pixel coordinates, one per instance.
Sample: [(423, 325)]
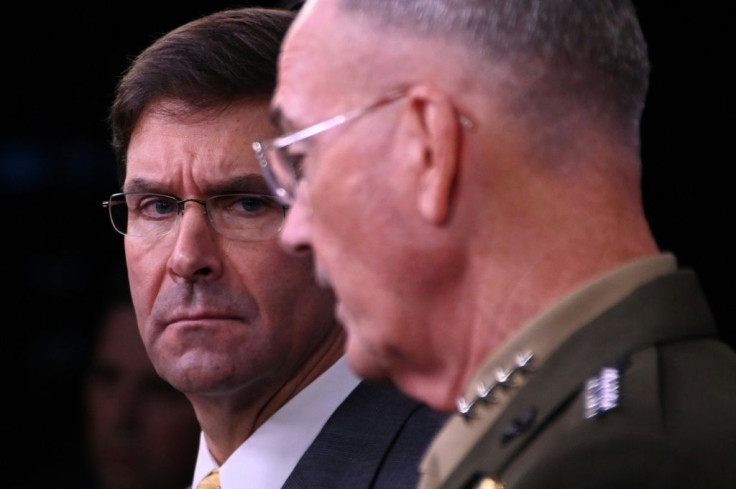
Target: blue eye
[(157, 206), (246, 206), (251, 203)]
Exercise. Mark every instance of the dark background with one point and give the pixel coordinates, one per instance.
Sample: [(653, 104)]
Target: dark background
[(60, 65)]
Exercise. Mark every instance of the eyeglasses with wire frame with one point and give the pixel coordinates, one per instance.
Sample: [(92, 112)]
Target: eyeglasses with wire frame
[(282, 169), (240, 216)]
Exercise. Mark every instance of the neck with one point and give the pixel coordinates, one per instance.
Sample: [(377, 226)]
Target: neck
[(506, 306), (500, 295), (229, 419)]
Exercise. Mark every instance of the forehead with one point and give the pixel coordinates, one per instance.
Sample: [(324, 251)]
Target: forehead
[(312, 58), (177, 151)]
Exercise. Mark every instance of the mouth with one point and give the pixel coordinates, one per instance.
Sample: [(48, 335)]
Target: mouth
[(200, 319), (200, 306)]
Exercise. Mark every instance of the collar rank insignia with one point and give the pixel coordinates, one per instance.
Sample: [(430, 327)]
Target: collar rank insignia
[(602, 391)]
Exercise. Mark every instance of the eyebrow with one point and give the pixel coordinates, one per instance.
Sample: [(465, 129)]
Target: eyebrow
[(140, 185), (251, 183)]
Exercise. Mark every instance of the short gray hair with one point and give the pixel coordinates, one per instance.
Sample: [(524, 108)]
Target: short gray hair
[(588, 52)]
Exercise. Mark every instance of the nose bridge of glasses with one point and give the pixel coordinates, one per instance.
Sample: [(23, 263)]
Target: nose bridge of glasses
[(181, 204)]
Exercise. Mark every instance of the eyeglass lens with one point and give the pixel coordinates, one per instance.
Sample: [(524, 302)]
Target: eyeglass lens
[(237, 216)]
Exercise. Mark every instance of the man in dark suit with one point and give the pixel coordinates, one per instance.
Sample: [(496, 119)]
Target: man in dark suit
[(226, 316), (466, 175)]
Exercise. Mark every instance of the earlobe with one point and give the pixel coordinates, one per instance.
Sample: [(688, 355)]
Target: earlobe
[(440, 138)]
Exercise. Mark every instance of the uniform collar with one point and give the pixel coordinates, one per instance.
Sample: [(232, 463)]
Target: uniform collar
[(525, 351)]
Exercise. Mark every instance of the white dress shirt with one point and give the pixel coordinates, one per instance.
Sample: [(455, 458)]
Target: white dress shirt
[(269, 455)]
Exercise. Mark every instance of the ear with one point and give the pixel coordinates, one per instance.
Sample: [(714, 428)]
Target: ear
[(438, 125)]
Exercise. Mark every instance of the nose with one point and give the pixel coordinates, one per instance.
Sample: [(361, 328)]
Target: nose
[(196, 253), (296, 234)]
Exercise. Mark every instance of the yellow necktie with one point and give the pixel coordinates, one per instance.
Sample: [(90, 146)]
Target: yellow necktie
[(212, 481)]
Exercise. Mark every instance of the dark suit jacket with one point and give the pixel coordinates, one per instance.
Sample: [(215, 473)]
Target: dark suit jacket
[(375, 440), (674, 426)]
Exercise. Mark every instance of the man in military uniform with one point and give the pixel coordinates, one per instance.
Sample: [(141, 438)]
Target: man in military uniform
[(467, 175)]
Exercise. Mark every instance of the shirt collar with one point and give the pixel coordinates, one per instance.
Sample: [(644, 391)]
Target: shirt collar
[(269, 455)]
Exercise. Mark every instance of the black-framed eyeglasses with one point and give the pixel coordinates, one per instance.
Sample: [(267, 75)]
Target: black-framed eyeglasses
[(282, 170), (244, 217)]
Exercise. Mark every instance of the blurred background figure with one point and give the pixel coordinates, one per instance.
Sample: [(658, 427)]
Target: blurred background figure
[(141, 432)]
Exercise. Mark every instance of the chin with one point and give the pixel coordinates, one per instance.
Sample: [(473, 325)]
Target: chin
[(365, 363), (197, 373)]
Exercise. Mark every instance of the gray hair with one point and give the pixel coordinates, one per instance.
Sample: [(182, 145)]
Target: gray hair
[(588, 52)]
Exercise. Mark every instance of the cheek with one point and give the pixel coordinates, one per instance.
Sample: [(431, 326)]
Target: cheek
[(146, 273), (265, 266), (294, 291), (342, 204), (146, 269), (278, 282), (297, 308), (355, 225), (356, 195)]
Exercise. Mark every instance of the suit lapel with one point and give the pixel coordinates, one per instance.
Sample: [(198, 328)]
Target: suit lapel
[(351, 447)]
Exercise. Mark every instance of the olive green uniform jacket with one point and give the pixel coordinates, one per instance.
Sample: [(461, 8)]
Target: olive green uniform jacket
[(666, 420)]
